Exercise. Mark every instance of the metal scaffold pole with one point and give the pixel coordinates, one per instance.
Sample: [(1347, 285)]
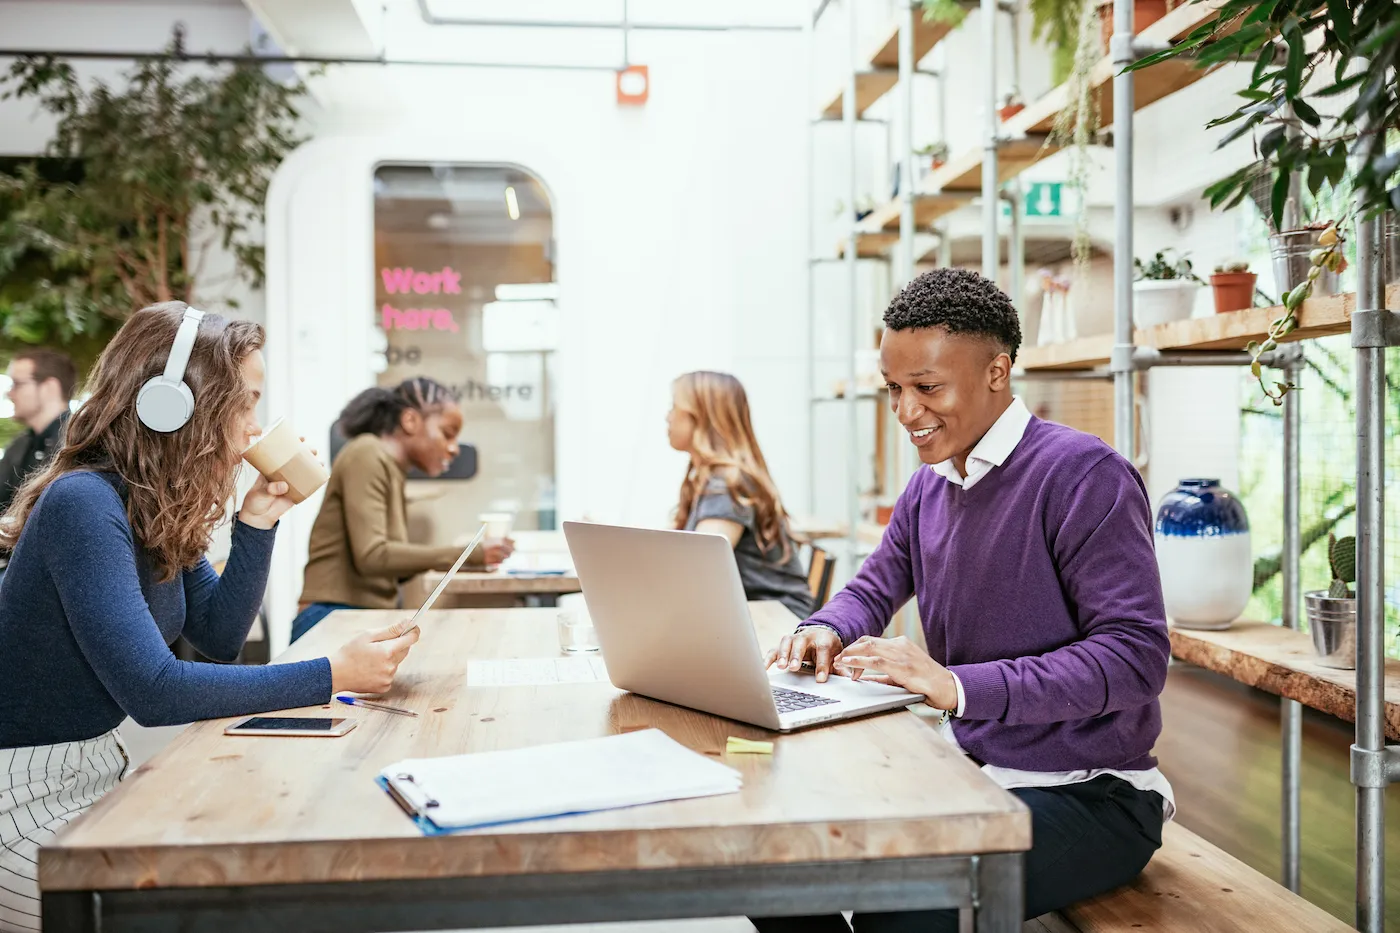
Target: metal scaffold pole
[(1124, 428), (848, 118), (1368, 756), (810, 27), (1292, 710), (991, 205)]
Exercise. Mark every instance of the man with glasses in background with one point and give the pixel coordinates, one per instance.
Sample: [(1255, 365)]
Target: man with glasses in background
[(41, 387)]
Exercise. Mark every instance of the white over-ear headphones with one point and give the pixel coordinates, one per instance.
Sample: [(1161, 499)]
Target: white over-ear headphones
[(165, 403)]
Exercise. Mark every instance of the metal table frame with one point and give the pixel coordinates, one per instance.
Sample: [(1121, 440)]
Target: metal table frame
[(990, 885)]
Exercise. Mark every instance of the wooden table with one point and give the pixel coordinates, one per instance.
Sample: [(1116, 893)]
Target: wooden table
[(1284, 663), (543, 550), (269, 834)]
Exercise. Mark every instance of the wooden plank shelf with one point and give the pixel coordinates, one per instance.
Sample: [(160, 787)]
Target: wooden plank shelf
[(1319, 317), (946, 189), (1283, 662), (883, 74)]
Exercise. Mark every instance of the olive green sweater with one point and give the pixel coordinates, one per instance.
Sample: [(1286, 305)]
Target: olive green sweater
[(359, 552)]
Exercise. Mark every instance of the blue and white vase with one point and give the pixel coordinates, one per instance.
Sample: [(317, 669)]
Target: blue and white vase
[(1204, 555)]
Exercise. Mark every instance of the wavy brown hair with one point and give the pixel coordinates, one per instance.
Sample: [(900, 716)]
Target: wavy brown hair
[(176, 484), (725, 446)]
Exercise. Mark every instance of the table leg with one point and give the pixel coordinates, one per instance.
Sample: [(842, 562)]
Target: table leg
[(1001, 893), (71, 911)]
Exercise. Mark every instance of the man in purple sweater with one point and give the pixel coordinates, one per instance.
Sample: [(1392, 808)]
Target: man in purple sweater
[(1028, 546)]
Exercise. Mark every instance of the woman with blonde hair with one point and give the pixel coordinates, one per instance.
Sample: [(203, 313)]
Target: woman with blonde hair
[(727, 488), (108, 569)]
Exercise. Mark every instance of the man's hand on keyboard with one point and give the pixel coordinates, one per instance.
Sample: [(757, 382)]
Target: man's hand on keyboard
[(815, 643), (900, 662)]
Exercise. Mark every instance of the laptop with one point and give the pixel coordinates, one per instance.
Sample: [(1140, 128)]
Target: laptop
[(674, 625)]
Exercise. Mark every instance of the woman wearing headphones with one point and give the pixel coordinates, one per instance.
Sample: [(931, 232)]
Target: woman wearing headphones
[(360, 552), (108, 569)]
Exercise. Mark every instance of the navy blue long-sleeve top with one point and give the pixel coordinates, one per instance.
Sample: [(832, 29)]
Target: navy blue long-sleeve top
[(86, 629)]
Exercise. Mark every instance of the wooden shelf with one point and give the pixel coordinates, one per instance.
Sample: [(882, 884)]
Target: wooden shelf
[(949, 187), (1319, 317), (1283, 662), (883, 75)]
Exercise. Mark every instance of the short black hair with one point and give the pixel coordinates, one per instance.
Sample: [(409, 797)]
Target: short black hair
[(51, 364), (960, 302)]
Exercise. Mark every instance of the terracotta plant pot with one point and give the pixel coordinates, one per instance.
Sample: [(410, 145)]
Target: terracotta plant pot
[(1145, 13), (1234, 291), (1009, 111)]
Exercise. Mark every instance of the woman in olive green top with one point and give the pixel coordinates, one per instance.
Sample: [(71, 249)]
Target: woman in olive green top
[(359, 551)]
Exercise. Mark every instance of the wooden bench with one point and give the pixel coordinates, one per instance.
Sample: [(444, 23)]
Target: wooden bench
[(1190, 886)]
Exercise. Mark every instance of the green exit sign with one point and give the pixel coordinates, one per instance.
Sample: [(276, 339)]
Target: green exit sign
[(1042, 199)]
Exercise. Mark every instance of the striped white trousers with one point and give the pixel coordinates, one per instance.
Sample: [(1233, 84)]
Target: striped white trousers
[(42, 789)]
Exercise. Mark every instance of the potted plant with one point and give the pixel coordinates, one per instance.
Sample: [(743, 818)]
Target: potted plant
[(1145, 13), (1316, 101), (931, 157), (1011, 104), (1164, 289), (1233, 287), (1291, 253), (1332, 612)]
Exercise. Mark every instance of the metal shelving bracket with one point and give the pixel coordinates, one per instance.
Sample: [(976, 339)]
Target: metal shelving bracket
[(1375, 767), (1374, 328)]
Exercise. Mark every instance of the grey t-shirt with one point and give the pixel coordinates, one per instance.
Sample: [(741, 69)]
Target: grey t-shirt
[(764, 575)]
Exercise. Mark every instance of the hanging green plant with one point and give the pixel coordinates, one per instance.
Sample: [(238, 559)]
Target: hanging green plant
[(173, 166), (1077, 124)]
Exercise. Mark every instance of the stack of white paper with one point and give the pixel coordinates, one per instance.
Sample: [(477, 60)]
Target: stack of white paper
[(551, 780)]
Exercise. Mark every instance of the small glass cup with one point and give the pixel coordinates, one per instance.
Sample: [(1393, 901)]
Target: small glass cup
[(576, 634), (498, 524)]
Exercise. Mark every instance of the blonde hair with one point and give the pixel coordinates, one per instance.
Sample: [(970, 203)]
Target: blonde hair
[(724, 446)]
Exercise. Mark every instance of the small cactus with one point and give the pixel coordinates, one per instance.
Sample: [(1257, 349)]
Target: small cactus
[(1341, 556)]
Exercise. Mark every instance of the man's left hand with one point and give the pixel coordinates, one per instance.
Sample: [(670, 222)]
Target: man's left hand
[(900, 662)]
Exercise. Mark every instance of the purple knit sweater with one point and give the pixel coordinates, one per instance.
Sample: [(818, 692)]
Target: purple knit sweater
[(1038, 587)]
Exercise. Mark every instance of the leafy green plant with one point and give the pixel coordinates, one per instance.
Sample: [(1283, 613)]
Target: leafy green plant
[(1328, 255), (1322, 90), (173, 166), (1165, 266), (1077, 124), (1341, 557), (945, 11)]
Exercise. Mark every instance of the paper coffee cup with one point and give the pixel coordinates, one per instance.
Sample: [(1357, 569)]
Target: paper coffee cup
[(281, 456), (497, 524)]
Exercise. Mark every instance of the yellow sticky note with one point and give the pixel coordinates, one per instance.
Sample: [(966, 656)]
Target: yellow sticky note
[(736, 745)]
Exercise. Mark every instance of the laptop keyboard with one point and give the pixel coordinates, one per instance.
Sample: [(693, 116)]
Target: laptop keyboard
[(792, 701)]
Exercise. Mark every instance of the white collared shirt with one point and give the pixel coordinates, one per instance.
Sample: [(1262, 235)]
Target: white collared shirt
[(991, 452)]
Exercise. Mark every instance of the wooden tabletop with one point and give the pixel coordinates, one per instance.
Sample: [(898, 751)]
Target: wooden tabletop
[(1283, 662), (214, 810)]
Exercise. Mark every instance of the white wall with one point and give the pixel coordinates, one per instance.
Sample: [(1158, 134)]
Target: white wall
[(679, 248)]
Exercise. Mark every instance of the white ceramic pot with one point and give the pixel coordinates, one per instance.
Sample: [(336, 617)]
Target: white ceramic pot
[(1203, 553), (1159, 302)]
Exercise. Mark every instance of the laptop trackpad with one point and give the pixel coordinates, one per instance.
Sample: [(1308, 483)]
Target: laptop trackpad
[(837, 687)]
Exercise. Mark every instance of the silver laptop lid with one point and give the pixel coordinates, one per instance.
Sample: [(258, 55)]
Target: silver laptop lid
[(672, 618)]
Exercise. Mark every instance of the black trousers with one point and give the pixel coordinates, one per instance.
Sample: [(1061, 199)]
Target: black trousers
[(1085, 839)]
